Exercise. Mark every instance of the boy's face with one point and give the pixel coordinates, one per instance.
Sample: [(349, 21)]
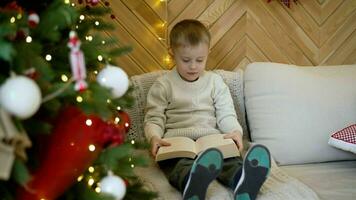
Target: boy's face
[(191, 60)]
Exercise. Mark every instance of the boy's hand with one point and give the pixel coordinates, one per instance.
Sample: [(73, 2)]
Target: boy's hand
[(237, 137), (157, 142)]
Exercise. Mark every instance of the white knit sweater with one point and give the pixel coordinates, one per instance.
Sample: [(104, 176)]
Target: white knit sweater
[(176, 107)]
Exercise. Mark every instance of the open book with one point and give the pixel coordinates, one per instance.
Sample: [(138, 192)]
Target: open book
[(186, 147)]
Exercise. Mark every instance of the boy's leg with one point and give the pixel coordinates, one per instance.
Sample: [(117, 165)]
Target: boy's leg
[(231, 172), (177, 171), (204, 170), (256, 167)]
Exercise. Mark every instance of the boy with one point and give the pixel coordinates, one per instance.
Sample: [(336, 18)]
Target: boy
[(189, 101)]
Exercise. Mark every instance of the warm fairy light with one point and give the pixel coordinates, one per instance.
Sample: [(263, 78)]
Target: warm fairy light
[(130, 159), (127, 124), (89, 38), (91, 147), (81, 17), (91, 169), (88, 122), (163, 24), (19, 16), (66, 1), (97, 23), (159, 38), (132, 141), (76, 27), (96, 72), (162, 0), (118, 108), (91, 181), (132, 165), (28, 39), (12, 19), (48, 57), (64, 78), (80, 178), (79, 99), (108, 101), (97, 189), (109, 59), (103, 42), (73, 4), (100, 57), (167, 60), (117, 120)]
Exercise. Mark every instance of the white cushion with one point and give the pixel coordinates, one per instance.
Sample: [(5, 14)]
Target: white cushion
[(292, 110)]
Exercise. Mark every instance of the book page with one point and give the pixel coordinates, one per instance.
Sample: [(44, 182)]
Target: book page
[(180, 147), (227, 146)]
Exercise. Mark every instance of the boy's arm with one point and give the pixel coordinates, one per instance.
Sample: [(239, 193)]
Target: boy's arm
[(224, 108), (154, 123)]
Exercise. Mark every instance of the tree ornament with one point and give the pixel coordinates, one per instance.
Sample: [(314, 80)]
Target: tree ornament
[(33, 19), (76, 141), (77, 63), (114, 78), (113, 185), (20, 96)]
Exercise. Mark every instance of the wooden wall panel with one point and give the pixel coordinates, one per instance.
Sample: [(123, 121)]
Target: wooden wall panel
[(310, 33)]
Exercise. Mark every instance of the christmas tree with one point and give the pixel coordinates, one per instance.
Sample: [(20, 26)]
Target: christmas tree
[(62, 104)]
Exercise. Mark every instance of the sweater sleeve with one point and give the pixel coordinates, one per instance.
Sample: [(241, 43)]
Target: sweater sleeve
[(224, 107), (154, 123)]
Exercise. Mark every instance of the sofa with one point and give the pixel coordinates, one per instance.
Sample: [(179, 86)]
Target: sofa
[(293, 111)]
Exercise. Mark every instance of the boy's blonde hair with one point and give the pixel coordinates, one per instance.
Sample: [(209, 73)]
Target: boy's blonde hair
[(188, 32)]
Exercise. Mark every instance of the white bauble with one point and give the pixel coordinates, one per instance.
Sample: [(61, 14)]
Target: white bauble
[(113, 185), (20, 96), (114, 78)]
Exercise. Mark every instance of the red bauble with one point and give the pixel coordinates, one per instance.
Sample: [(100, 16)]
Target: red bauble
[(75, 143)]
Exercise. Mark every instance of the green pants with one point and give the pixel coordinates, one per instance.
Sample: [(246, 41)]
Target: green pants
[(177, 171)]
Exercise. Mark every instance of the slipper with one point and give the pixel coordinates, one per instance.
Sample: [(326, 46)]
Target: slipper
[(205, 169), (255, 170)]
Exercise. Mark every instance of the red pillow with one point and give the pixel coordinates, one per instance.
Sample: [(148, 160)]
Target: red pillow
[(344, 139)]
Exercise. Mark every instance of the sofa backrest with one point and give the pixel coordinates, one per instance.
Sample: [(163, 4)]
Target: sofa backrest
[(142, 83)]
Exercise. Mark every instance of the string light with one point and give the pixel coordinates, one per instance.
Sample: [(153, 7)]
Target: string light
[(132, 165), (66, 1), (79, 99), (108, 101), (91, 181), (89, 38), (100, 57), (91, 169), (19, 16), (91, 147), (132, 141), (80, 178), (97, 23), (48, 57), (103, 42), (96, 72), (117, 120), (88, 122), (97, 189), (64, 78), (73, 4), (28, 39), (76, 27), (12, 20), (118, 108), (81, 17), (127, 124)]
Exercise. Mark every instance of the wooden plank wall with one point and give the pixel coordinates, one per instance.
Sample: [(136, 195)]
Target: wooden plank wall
[(310, 33)]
